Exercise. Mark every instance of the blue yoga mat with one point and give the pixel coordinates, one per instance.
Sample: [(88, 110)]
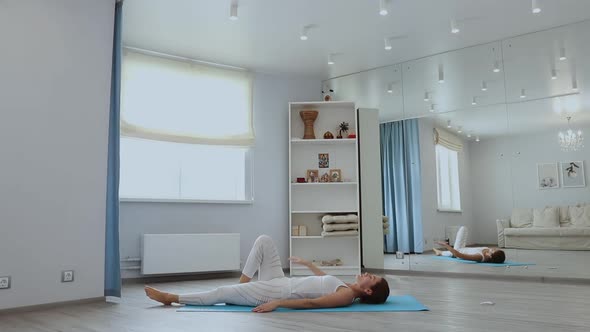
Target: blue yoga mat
[(394, 303), (506, 263)]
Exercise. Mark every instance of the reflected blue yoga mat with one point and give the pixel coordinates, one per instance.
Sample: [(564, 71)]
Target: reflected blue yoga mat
[(506, 263), (394, 303)]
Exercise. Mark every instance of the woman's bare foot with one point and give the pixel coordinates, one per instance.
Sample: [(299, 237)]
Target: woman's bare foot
[(437, 252), (162, 297)]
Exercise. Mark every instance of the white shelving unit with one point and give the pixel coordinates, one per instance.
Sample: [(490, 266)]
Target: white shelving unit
[(309, 202)]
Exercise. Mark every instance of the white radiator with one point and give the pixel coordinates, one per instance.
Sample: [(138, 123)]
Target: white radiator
[(187, 253)]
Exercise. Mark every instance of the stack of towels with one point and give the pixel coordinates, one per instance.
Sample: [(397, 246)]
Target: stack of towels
[(341, 225), (385, 225)]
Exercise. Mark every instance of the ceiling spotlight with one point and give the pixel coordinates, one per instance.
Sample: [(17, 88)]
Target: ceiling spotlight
[(469, 135), (496, 66), (553, 74), (383, 8), (432, 108), (387, 44), (574, 84), (331, 59), (304, 32), (441, 74), (562, 54), (474, 101), (535, 7), (390, 88), (477, 139), (233, 12), (460, 129), (454, 27), (522, 93), (484, 86), (426, 96), (449, 124)]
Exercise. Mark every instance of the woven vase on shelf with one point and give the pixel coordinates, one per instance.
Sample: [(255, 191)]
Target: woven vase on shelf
[(308, 117)]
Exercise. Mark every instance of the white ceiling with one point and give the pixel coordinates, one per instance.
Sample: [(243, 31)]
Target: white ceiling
[(265, 38)]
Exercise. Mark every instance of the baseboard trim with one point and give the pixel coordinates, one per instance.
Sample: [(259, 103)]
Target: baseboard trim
[(488, 276), (181, 277), (37, 307)]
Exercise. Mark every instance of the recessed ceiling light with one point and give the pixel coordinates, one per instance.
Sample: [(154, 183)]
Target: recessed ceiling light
[(304, 32), (460, 129), (484, 86), (390, 88), (331, 59), (387, 44), (441, 74), (383, 8), (477, 139), (469, 135), (522, 93), (535, 7), (426, 96), (553, 74), (432, 108), (449, 124), (562, 56), (454, 27), (474, 101), (496, 66), (233, 12)]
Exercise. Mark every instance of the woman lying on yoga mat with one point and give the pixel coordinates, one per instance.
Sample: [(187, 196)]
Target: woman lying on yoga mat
[(478, 254), (273, 289)]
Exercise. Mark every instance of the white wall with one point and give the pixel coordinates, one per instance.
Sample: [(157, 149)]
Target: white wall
[(269, 212), (507, 177), (55, 69), (434, 222)]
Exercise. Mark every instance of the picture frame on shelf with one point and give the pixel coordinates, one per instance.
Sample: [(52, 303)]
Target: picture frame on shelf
[(547, 176), (323, 160), (312, 176), (572, 174), (335, 175), (325, 177)]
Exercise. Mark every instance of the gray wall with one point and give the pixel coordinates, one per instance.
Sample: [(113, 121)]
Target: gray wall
[(55, 69), (507, 176), (434, 222), (269, 212)]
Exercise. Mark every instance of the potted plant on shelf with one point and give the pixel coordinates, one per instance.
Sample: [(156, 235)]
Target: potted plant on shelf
[(343, 128)]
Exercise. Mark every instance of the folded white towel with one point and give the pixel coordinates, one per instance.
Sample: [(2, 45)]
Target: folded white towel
[(385, 225), (340, 233), (330, 219), (386, 230), (341, 227)]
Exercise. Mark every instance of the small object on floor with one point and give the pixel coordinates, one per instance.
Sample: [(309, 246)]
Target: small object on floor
[(487, 303), (394, 303)]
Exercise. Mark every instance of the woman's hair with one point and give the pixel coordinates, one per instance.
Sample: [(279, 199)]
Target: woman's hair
[(379, 294), (498, 257)]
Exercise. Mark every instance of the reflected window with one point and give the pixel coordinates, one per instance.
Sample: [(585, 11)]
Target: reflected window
[(447, 175)]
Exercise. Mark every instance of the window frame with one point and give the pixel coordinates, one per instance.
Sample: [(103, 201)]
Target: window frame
[(248, 161), (448, 209)]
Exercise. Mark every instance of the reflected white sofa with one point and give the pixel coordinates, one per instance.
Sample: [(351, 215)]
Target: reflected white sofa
[(557, 228)]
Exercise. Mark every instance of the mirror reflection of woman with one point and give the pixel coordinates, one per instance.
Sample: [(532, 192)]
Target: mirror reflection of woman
[(477, 254)]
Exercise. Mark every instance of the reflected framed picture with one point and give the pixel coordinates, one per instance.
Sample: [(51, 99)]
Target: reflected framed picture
[(335, 175), (547, 176), (572, 174), (323, 160), (312, 176)]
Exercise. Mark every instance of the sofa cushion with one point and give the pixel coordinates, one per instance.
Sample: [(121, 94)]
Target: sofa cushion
[(564, 216), (521, 218), (547, 217), (580, 215), (532, 231)]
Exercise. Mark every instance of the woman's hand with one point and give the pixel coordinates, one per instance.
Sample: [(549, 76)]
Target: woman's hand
[(267, 307), (298, 260), (444, 244)]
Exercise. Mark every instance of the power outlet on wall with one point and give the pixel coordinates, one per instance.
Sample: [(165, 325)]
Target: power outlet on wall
[(67, 276), (4, 282)]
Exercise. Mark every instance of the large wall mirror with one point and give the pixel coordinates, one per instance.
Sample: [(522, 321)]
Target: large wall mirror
[(488, 137)]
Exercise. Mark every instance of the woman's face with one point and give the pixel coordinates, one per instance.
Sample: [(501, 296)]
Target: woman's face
[(367, 280)]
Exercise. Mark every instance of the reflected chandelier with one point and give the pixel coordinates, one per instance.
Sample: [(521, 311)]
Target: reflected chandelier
[(571, 140)]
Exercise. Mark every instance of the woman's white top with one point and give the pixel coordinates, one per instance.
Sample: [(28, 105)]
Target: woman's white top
[(474, 251), (314, 286)]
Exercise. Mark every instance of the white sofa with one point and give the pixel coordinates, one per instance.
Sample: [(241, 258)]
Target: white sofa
[(557, 228)]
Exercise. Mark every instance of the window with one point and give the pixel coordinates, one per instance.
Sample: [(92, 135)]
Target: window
[(447, 175), (186, 130)]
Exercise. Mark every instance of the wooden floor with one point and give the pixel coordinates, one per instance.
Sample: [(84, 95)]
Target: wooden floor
[(454, 304)]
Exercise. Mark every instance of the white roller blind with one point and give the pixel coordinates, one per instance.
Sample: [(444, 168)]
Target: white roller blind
[(185, 102), (448, 140)]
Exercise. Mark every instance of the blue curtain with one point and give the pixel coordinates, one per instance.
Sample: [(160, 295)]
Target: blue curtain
[(402, 194), (112, 278)]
